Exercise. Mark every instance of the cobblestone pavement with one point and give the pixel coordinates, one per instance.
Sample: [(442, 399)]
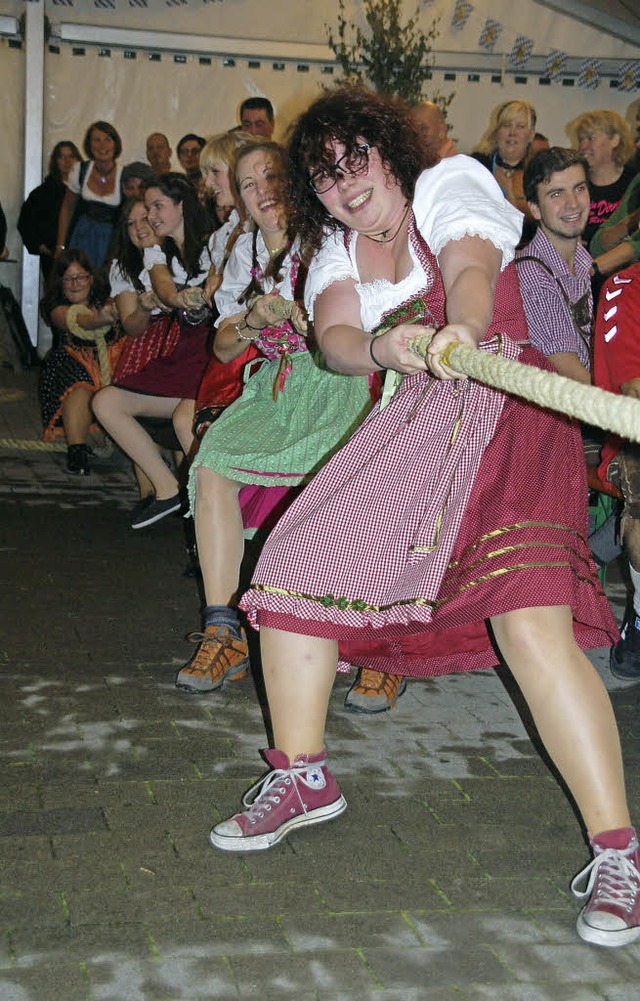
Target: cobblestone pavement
[(446, 880)]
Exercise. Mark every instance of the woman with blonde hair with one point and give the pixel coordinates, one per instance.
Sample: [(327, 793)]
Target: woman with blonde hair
[(604, 139), (221, 383), (504, 150), (292, 415)]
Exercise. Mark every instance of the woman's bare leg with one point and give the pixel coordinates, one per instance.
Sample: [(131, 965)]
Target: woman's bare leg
[(76, 415), (219, 535), (299, 672), (145, 486), (183, 426), (117, 410), (571, 709)]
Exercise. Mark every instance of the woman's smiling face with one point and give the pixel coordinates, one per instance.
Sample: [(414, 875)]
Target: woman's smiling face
[(216, 182), (138, 227), (363, 199), (260, 182), (76, 284), (164, 215)]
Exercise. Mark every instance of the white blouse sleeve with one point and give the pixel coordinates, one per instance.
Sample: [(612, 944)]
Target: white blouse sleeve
[(236, 277), (73, 180), (118, 282), (459, 197), (332, 263), (154, 255)]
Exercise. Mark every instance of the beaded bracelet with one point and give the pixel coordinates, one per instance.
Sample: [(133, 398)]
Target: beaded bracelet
[(243, 337)]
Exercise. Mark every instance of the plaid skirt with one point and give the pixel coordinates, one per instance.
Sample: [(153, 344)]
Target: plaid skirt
[(421, 529)]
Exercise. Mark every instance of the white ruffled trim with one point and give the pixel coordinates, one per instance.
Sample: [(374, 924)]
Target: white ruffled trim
[(462, 229)]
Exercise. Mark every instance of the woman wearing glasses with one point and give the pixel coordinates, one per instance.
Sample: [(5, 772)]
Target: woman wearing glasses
[(421, 543), (84, 353)]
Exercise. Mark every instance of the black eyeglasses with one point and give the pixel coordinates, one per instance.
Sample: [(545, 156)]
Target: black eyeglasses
[(353, 162), (76, 279)]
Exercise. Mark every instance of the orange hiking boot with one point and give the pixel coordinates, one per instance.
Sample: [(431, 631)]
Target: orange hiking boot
[(221, 656), (374, 691)]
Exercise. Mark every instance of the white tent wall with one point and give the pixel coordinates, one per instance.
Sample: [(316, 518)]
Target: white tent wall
[(269, 42)]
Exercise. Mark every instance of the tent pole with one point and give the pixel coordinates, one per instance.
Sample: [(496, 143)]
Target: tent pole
[(33, 133)]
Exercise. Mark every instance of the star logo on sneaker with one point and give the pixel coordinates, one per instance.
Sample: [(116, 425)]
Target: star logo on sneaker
[(315, 778)]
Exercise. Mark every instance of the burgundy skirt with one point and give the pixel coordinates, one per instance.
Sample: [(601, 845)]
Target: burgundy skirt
[(351, 560), (168, 360)]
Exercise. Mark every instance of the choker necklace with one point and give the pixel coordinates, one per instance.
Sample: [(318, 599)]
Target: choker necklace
[(384, 237), (508, 168)]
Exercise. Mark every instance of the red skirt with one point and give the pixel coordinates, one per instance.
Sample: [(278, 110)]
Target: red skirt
[(167, 360), (349, 560)]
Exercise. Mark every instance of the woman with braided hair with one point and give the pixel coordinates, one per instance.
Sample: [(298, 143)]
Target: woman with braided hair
[(422, 544), (292, 415), (85, 351)]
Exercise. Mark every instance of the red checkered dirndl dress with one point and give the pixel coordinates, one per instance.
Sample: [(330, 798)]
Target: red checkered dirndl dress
[(453, 504)]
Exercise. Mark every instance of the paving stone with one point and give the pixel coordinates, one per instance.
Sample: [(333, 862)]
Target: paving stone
[(350, 896), (204, 977), (437, 967), (235, 935), (274, 977), (321, 932), (532, 893), (548, 991), (45, 982), (79, 943), (72, 821)]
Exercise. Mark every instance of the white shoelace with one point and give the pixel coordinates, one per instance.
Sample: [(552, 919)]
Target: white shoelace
[(618, 879), (265, 793)]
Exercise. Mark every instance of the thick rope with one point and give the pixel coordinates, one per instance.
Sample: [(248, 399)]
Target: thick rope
[(29, 445), (620, 414), (94, 336)]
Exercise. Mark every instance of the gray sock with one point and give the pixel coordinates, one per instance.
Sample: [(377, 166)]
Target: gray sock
[(222, 615)]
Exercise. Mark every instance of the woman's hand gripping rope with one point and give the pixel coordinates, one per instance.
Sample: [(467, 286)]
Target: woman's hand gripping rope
[(620, 414)]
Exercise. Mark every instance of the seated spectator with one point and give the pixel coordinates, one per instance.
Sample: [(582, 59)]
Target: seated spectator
[(618, 239), (505, 149), (604, 140), (222, 382), (554, 268), (85, 351), (133, 179), (90, 206), (291, 416), (257, 118), (150, 332), (159, 153), (38, 219), (176, 262), (616, 367), (431, 124), (189, 149)]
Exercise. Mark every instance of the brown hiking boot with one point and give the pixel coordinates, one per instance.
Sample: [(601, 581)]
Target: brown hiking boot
[(221, 656), (374, 691)]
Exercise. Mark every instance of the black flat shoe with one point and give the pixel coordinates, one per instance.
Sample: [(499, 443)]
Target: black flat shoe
[(78, 460)]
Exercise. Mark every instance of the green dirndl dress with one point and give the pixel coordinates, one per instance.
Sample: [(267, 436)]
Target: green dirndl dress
[(293, 414)]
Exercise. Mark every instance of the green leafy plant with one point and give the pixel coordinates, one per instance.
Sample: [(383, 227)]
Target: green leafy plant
[(391, 57)]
